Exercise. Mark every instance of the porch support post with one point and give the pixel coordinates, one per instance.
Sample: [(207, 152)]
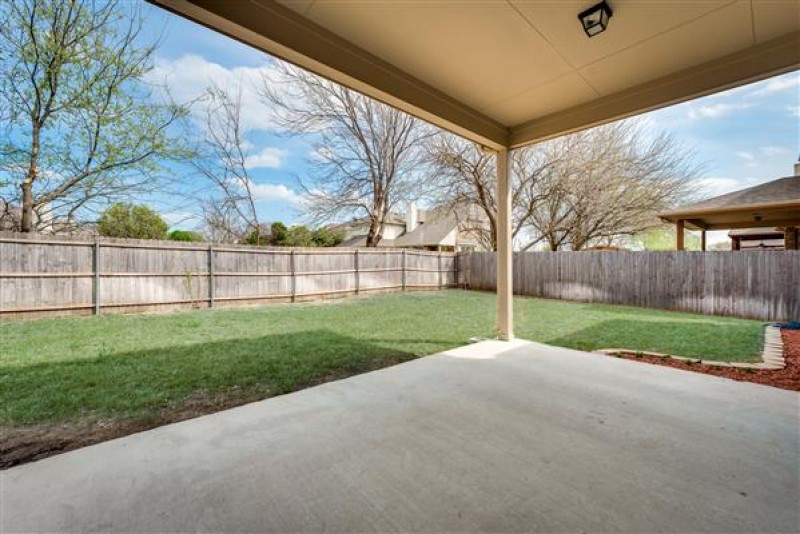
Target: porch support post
[(703, 240), (679, 235), (505, 308)]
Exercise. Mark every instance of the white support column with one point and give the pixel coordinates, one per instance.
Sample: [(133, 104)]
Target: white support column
[(505, 250)]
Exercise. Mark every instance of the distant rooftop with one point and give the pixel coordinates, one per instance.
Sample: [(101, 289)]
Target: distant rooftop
[(775, 203)]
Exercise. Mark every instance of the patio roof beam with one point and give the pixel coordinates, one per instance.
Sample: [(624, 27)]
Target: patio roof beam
[(775, 223), (696, 224)]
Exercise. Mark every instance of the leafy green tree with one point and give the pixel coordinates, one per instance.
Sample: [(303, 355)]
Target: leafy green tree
[(279, 234), (326, 237), (664, 238), (297, 235), (185, 235), (259, 236), (132, 221), (83, 127)]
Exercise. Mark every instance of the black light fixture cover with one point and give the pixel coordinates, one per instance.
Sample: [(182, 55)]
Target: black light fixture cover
[(595, 19)]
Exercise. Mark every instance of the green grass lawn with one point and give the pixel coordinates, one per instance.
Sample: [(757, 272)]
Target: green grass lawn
[(117, 367)]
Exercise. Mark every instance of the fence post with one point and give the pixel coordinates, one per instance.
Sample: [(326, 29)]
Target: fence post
[(439, 268), (210, 276), (96, 285), (456, 274), (404, 270), (294, 276), (357, 274)]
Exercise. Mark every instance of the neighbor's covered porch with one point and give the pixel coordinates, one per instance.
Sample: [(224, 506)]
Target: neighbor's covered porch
[(764, 212)]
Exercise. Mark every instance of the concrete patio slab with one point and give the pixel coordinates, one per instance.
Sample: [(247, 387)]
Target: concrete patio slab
[(491, 437)]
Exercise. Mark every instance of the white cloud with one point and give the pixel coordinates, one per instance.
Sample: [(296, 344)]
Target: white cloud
[(320, 154), (270, 157), (715, 111), (276, 192), (188, 76), (775, 85), (719, 185), (748, 157), (794, 111), (770, 151)]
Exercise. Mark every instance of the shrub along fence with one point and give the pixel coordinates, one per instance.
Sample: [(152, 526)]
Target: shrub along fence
[(761, 285), (43, 275)]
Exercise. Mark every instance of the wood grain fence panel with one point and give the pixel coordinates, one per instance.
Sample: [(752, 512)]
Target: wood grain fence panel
[(46, 274), (380, 270), (325, 273), (754, 284), (251, 274)]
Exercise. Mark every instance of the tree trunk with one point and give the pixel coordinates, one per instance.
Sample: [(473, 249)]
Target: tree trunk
[(26, 224), (373, 236), (493, 232)]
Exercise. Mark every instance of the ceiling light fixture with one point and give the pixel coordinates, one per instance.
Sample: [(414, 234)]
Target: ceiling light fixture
[(595, 19)]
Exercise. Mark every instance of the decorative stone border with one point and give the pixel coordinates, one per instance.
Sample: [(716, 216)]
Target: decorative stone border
[(771, 354)]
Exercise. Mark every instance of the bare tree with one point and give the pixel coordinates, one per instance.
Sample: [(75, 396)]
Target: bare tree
[(591, 186), (82, 126), (366, 159), (466, 177), (614, 183), (229, 211)]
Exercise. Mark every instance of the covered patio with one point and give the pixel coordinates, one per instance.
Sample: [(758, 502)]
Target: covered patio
[(493, 437), (509, 74), (501, 435)]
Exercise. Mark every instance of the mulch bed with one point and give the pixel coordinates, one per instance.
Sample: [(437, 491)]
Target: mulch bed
[(786, 378)]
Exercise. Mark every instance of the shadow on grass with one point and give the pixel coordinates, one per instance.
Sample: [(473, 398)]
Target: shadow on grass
[(143, 383), (724, 342)]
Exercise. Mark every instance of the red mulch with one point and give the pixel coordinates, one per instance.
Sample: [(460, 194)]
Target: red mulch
[(786, 378)]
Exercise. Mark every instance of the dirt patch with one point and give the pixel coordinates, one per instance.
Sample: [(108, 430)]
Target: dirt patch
[(786, 378), (23, 444)]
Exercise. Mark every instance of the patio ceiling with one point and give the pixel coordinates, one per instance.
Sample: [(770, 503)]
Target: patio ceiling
[(508, 73)]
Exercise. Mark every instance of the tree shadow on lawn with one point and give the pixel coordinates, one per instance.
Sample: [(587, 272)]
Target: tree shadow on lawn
[(698, 339), (51, 408)]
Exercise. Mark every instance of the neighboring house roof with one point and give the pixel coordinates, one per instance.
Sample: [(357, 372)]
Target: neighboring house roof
[(391, 218), (435, 227), (360, 240), (775, 203), (776, 191), (428, 234)]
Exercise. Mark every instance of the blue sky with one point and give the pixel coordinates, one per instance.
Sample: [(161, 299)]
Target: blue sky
[(745, 136)]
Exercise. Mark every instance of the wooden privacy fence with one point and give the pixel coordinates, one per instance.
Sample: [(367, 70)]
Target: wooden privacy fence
[(761, 285), (46, 275)]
